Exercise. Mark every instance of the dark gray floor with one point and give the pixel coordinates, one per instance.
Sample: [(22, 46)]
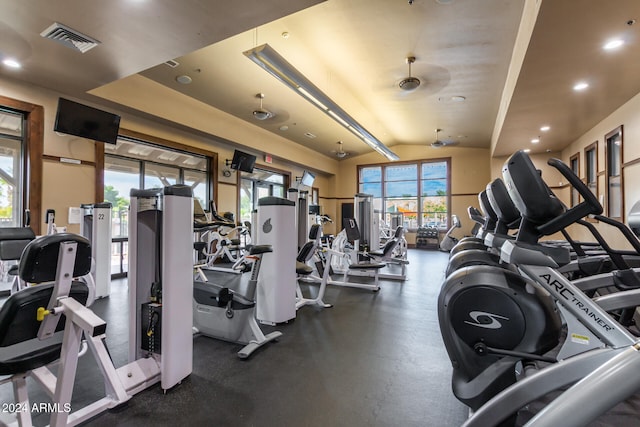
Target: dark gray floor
[(374, 359)]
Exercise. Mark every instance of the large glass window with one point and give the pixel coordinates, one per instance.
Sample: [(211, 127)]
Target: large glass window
[(254, 186), (418, 191), (133, 163), (11, 155)]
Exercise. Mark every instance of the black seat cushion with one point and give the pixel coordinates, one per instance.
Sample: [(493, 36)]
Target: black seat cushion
[(259, 249), (39, 261), (367, 266), (18, 324)]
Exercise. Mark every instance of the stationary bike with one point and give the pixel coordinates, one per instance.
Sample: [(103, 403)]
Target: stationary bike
[(219, 312)]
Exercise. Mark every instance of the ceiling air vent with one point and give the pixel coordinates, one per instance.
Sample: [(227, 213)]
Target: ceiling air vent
[(69, 37), (172, 63)]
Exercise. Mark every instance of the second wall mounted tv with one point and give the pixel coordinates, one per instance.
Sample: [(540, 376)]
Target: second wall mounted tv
[(81, 120), (307, 178), (243, 162)]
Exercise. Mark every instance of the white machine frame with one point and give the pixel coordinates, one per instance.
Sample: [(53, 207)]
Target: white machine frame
[(176, 267), (96, 227)]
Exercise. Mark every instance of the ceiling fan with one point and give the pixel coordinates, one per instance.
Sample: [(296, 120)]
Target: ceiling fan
[(409, 83), (261, 113), (340, 153), (439, 143)]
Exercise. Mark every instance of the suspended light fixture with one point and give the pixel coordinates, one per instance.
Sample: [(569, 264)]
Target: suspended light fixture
[(271, 61), (409, 83)]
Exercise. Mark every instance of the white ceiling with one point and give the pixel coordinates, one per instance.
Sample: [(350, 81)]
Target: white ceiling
[(355, 51)]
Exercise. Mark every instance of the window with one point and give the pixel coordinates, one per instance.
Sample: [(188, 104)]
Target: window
[(613, 141), (419, 192), (11, 180), (591, 167), (574, 164), (260, 183), (21, 145), (132, 163)]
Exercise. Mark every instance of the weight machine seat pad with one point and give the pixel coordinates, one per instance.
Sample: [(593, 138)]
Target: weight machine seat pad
[(367, 266), (259, 249), (18, 324), (11, 250), (302, 268), (39, 260), (16, 233)]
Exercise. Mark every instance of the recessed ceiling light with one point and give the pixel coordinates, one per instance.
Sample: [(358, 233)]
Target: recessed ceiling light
[(458, 98), (613, 44), (535, 140), (11, 63), (527, 150), (545, 128), (284, 128), (184, 79), (580, 86)]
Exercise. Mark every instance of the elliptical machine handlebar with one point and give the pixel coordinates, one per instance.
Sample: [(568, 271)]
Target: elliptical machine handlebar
[(589, 206)]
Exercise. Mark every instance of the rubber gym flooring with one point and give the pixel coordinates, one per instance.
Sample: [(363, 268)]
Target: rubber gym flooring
[(374, 359)]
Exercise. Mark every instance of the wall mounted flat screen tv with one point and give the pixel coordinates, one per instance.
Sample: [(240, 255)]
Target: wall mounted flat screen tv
[(307, 178), (243, 162), (81, 120)]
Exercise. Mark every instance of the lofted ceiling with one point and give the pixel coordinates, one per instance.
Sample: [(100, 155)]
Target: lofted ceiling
[(492, 72)]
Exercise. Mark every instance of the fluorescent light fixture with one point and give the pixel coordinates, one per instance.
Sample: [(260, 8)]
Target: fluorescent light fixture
[(271, 61)]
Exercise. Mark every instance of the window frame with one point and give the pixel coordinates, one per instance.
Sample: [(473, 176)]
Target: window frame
[(32, 162), (419, 179), (286, 183), (591, 147), (212, 158), (608, 139)]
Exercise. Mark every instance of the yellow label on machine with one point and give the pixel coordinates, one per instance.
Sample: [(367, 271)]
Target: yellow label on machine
[(580, 339)]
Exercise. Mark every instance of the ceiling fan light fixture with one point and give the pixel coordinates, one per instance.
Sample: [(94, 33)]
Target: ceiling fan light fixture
[(409, 83), (261, 113)]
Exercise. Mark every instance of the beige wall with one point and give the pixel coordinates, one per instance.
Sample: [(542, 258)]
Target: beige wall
[(69, 185), (628, 115)]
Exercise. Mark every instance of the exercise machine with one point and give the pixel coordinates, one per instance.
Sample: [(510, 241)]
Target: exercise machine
[(222, 313), (347, 260), (96, 227), (494, 319), (161, 283), (13, 240), (448, 241), (276, 294), (37, 343), (313, 264), (368, 221)]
